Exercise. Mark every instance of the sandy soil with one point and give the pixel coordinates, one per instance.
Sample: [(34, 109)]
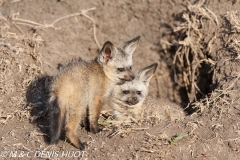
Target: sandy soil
[(196, 43)]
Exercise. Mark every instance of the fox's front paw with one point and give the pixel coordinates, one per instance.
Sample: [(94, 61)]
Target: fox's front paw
[(79, 145), (94, 129)]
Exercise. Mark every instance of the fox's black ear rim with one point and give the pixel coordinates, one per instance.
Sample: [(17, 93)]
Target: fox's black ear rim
[(136, 39), (131, 45), (148, 72), (154, 65)]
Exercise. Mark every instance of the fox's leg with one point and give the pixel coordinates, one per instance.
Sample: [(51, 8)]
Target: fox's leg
[(57, 117), (94, 112), (85, 119), (71, 129)]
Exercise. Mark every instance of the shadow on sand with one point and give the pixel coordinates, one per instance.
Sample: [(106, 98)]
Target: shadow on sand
[(37, 98)]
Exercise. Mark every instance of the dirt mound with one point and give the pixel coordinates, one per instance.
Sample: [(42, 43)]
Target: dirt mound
[(197, 45), (19, 66)]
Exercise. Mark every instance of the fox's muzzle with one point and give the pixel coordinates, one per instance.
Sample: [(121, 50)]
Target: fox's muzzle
[(132, 100), (129, 76)]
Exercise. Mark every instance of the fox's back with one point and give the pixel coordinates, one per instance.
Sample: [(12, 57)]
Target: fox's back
[(162, 109), (79, 78)]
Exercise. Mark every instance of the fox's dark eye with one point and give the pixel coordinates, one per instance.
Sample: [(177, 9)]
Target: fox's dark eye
[(125, 92), (130, 67), (139, 92), (120, 69)]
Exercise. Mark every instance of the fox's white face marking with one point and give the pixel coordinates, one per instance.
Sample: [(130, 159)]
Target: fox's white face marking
[(119, 69), (131, 93), (117, 61), (134, 93)]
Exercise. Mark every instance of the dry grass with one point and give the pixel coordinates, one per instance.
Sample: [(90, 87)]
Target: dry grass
[(123, 129), (218, 98), (234, 21), (150, 116), (19, 66), (222, 104), (195, 48), (234, 40), (223, 99)]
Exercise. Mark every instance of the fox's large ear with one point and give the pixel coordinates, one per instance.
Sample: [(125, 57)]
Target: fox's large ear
[(107, 52), (147, 73), (131, 45)]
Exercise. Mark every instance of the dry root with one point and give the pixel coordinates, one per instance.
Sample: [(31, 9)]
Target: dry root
[(234, 40), (195, 48)]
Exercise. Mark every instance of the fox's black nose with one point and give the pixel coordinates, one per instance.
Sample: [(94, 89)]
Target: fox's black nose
[(129, 77), (134, 98)]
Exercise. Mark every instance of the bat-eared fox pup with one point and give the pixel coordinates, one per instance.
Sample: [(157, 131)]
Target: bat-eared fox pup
[(77, 91), (130, 101)]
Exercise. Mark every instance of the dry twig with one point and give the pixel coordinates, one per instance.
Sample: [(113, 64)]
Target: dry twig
[(18, 21)]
